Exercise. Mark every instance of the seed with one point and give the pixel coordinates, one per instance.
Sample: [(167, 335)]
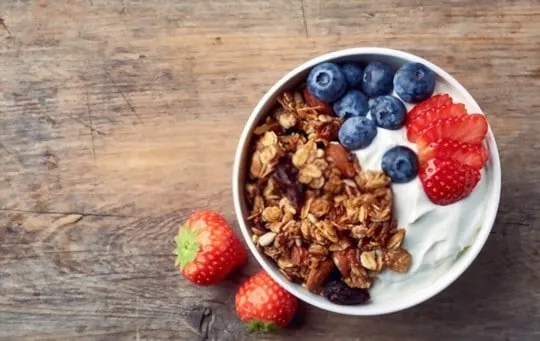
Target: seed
[(267, 239)]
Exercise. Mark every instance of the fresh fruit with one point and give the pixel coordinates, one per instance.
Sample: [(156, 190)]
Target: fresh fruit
[(326, 82), (353, 74), (314, 102), (473, 155), (469, 128), (400, 164), (264, 305), (420, 122), (377, 80), (353, 103), (447, 181), (414, 82), (207, 249), (357, 132), (340, 293), (388, 112), (432, 103)]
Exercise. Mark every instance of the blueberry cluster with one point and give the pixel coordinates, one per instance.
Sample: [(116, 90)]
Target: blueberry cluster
[(354, 91)]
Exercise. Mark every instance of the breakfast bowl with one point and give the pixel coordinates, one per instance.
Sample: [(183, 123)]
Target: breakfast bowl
[(420, 239)]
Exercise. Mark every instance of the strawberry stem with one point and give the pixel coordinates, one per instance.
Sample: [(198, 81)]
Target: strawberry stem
[(187, 246), (258, 326)]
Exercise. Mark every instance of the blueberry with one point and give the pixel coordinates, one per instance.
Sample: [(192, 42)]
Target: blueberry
[(357, 132), (400, 164), (414, 82), (353, 74), (377, 80), (388, 112), (326, 82), (354, 103)]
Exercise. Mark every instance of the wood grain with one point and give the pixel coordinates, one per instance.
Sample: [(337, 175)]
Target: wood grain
[(120, 117)]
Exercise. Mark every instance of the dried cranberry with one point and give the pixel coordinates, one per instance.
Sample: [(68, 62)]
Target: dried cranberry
[(287, 178), (340, 293)]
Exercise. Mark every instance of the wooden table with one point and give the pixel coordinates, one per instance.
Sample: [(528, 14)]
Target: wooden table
[(118, 118)]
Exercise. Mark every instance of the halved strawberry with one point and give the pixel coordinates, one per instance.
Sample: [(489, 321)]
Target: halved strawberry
[(469, 128), (431, 103), (447, 181), (474, 155), (421, 121)]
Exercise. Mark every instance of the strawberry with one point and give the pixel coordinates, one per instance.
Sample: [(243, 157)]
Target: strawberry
[(314, 102), (469, 128), (263, 304), (474, 155), (447, 181), (431, 103), (421, 121), (207, 249)]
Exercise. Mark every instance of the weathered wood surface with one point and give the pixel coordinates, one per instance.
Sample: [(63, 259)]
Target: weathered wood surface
[(120, 117)]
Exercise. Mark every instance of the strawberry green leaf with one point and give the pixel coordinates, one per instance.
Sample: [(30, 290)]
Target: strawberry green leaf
[(258, 326), (187, 246)]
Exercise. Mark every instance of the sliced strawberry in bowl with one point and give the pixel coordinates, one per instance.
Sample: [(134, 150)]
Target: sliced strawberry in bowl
[(434, 102), (469, 128), (447, 181), (473, 155), (420, 122)]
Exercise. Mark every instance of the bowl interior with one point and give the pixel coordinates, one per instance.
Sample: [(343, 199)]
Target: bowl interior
[(297, 76)]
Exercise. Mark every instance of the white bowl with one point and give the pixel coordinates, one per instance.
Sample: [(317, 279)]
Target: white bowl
[(293, 79)]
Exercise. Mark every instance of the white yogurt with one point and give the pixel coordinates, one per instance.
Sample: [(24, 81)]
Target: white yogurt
[(436, 235)]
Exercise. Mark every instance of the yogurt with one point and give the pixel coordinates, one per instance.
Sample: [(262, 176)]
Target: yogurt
[(435, 235)]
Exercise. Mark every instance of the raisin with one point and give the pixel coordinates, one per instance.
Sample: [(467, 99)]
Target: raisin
[(287, 178), (340, 293)]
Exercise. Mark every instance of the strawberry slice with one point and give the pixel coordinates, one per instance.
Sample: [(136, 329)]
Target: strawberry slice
[(473, 155), (447, 181), (416, 125), (431, 103), (469, 128)]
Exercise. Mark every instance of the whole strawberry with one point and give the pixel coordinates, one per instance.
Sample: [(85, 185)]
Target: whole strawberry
[(207, 249), (264, 305)]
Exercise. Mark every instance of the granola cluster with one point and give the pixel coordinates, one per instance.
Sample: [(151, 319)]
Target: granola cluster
[(313, 210)]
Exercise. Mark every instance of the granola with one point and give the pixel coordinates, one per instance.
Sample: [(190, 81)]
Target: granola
[(313, 209)]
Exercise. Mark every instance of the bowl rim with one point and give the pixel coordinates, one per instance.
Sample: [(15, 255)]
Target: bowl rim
[(367, 310)]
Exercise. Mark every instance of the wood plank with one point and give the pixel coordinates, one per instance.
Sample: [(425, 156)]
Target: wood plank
[(124, 115)]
